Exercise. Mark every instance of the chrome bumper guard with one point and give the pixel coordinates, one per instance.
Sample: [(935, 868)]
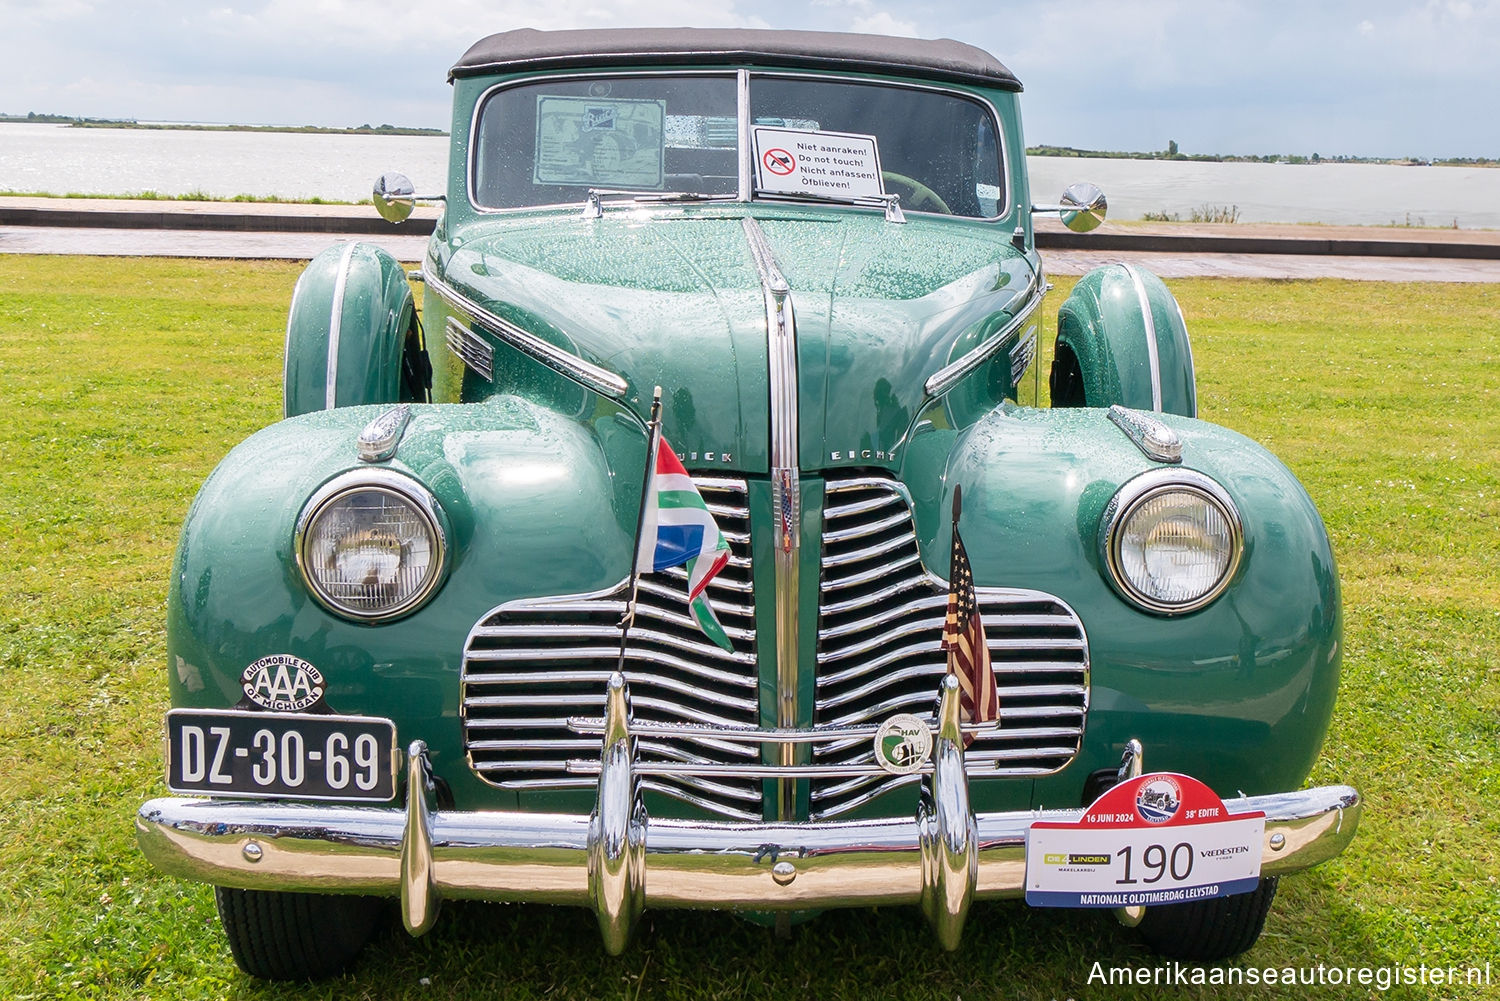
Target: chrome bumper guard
[(617, 860)]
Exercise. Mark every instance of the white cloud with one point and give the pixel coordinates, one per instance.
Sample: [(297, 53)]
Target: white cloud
[(243, 61), (20, 13), (1385, 77), (884, 23), (864, 16)]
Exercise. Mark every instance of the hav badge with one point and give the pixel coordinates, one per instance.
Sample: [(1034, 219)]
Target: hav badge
[(282, 683), (903, 744), (1157, 839)]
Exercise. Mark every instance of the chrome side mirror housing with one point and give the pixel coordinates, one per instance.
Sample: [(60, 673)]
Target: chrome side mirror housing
[(1082, 207), (395, 197)]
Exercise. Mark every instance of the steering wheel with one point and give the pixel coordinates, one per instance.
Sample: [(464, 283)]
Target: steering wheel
[(917, 196)]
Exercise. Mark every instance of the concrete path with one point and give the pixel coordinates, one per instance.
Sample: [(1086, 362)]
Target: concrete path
[(1413, 252), (256, 245), (1283, 266), (262, 230)]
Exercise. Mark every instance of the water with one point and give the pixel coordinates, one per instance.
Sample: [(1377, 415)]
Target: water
[(1354, 194), (59, 159)]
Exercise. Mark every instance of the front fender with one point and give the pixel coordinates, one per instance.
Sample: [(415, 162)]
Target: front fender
[(1238, 693), (348, 326), (535, 505), (1121, 339)]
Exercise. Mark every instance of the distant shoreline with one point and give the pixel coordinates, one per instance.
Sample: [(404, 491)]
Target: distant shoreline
[(1151, 223), (1291, 158), (191, 196), (1171, 153), (123, 123)]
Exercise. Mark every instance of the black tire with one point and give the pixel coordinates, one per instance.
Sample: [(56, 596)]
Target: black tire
[(1207, 930), (416, 367), (295, 936), (1066, 379)]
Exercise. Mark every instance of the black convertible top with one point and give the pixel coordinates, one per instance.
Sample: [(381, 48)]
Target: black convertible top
[(935, 59)]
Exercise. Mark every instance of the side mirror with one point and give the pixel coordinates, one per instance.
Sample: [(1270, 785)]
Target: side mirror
[(395, 197), (1083, 207)]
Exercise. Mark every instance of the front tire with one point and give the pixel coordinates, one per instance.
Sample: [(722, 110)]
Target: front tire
[(1208, 930), (295, 936)]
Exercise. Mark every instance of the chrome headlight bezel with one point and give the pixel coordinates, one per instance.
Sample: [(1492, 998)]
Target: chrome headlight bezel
[(404, 489), (1129, 499)]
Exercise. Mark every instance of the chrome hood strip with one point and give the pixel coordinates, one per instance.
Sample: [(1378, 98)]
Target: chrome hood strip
[(781, 330), (600, 380)]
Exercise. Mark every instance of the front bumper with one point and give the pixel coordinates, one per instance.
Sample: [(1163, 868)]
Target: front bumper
[(617, 860)]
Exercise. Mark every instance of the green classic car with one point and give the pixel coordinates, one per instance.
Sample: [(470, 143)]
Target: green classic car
[(793, 274)]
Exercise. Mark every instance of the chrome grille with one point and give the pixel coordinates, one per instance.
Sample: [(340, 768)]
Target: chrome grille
[(880, 626), (529, 665)]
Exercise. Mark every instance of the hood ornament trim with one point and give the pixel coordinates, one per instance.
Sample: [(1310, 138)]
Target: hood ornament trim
[(1155, 440), (382, 436)]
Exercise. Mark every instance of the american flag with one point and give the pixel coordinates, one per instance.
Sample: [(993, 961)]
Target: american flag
[(963, 638)]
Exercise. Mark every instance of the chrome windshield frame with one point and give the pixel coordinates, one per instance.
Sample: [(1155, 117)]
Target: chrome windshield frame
[(743, 78)]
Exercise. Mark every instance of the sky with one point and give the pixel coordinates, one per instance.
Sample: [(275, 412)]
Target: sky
[(1385, 78)]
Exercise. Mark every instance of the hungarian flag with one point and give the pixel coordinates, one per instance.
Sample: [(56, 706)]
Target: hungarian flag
[(677, 529), (963, 638)]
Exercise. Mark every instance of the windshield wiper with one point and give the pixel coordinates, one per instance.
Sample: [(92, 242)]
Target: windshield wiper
[(890, 202), (593, 206), (685, 196)]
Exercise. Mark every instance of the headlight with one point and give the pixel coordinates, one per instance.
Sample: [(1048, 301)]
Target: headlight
[(370, 544), (1171, 539)]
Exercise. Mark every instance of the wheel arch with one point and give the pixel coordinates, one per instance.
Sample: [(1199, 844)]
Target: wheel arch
[(353, 335), (1121, 339)]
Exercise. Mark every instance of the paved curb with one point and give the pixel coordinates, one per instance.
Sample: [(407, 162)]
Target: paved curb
[(366, 223), (1157, 243), (217, 221)]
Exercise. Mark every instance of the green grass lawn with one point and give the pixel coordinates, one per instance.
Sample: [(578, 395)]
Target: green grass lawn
[(129, 379)]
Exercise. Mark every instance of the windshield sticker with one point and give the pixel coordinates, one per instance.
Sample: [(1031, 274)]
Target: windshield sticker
[(803, 162), (800, 124), (602, 142)]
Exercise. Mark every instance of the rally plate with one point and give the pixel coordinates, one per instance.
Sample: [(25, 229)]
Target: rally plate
[(1157, 839), (227, 752)]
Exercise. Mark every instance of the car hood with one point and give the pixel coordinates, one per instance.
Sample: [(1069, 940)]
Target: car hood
[(674, 299)]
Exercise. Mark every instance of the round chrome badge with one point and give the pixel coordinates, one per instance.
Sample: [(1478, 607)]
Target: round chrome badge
[(282, 683), (902, 744), (1158, 799)]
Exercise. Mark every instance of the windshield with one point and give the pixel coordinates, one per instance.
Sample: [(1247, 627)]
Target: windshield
[(551, 142)]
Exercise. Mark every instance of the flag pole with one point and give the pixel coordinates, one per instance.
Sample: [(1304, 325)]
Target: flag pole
[(653, 442)]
